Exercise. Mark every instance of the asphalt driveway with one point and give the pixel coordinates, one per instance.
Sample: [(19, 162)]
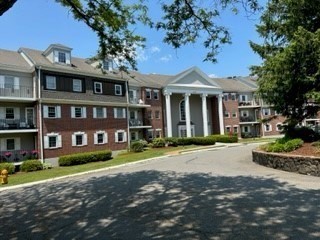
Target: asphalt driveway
[(216, 194)]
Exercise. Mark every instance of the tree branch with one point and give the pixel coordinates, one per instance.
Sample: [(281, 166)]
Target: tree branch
[(5, 5)]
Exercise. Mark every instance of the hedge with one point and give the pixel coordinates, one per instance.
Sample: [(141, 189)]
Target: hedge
[(282, 145), (224, 138), (158, 142), (31, 165), (173, 141), (8, 166), (82, 158)]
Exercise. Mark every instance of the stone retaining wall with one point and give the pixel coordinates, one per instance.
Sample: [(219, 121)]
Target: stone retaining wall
[(290, 163)]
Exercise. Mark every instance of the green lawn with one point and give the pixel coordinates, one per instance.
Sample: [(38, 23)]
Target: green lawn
[(122, 158)]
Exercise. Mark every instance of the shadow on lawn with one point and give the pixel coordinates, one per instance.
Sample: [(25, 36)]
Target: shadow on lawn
[(165, 205)]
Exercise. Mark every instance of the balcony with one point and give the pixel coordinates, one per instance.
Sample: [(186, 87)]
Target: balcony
[(17, 124), (249, 119), (17, 92), (138, 102), (137, 123), (15, 156), (249, 104)]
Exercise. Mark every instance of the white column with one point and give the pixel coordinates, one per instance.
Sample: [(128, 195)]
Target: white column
[(220, 114), (204, 115), (187, 109), (168, 113)]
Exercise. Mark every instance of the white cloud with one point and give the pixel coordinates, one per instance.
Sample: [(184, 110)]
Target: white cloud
[(212, 75), (154, 49), (166, 58), (141, 54)]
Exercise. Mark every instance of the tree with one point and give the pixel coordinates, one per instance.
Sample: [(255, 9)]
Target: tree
[(289, 77), (183, 21)]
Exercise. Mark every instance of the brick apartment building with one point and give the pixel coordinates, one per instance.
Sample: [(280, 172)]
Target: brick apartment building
[(53, 104)]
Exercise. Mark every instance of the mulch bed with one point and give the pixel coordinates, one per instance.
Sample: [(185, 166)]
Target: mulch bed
[(307, 150)]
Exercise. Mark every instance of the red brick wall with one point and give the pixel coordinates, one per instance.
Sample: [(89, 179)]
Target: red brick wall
[(66, 126), (273, 123), (231, 106), (215, 116)]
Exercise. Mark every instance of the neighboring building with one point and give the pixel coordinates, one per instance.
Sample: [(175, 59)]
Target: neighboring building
[(54, 104)]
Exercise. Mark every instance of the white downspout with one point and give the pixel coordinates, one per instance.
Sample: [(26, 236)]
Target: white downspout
[(128, 125), (40, 115)]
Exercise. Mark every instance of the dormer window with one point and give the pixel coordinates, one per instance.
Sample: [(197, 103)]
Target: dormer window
[(57, 53), (62, 57)]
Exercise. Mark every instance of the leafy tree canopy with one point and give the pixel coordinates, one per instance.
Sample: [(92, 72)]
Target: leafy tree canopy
[(289, 77), (183, 22)]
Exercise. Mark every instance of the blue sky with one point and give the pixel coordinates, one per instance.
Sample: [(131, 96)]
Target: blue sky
[(38, 23)]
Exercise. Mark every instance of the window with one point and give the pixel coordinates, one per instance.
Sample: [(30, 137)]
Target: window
[(10, 144), (51, 111), (228, 129), (52, 140), (9, 113), (235, 129), (118, 90), (266, 111), (182, 111), (226, 114), (233, 96), (107, 64), (97, 87), (244, 114), (158, 133), (78, 112), (157, 114), (267, 127), (225, 96), (150, 134), (149, 114), (246, 129), (100, 137), (120, 136), (279, 127), (134, 136), (243, 98), (148, 93), (156, 94), (119, 113), (79, 139), (99, 112), (77, 85), (62, 57), (51, 82), (8, 82), (234, 114)]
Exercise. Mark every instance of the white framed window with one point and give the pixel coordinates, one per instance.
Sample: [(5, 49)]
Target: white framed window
[(279, 127), (233, 96), (158, 133), (77, 85), (182, 111), (119, 112), (10, 144), (157, 114), (120, 136), (118, 90), (62, 57), (79, 139), (52, 141), (266, 111), (150, 134), (51, 111), (134, 136), (234, 114), (10, 113), (226, 114), (9, 82), (228, 129), (156, 94), (100, 137), (267, 127), (149, 114), (51, 83), (246, 129), (244, 113), (78, 112), (225, 96), (97, 87), (99, 112), (182, 131), (148, 93), (235, 129), (243, 98)]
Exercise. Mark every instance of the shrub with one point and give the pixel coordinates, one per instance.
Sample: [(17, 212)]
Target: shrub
[(203, 141), (172, 141), (8, 166), (282, 145), (158, 142), (225, 138), (292, 144), (31, 165), (316, 144), (82, 158), (304, 133), (137, 146)]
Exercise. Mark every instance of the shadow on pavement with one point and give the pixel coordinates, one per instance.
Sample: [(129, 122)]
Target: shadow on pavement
[(161, 205)]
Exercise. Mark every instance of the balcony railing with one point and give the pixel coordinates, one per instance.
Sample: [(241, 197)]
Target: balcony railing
[(139, 123), (17, 91), (249, 103), (8, 124), (136, 101), (18, 155), (249, 119)]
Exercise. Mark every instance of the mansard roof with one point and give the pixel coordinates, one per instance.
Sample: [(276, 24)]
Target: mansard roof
[(12, 60)]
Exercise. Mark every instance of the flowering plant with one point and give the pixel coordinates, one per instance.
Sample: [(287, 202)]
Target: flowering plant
[(8, 154), (23, 153), (34, 153)]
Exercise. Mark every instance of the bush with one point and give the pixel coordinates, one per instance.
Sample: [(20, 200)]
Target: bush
[(158, 142), (304, 133), (225, 138), (282, 145), (137, 146), (203, 141), (316, 144), (171, 141), (292, 144), (31, 165), (8, 166), (82, 158)]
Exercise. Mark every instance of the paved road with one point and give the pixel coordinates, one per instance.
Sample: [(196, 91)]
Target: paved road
[(216, 194)]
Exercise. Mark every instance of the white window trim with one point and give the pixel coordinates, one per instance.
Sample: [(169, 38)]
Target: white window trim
[(156, 94), (249, 129), (115, 111), (224, 114), (235, 115), (230, 129), (265, 127), (124, 136), (55, 82), (235, 126), (3, 144), (148, 90), (46, 111), (266, 110), (277, 127), (104, 110), (245, 98), (94, 86), (115, 89), (58, 140), (80, 85), (244, 111), (105, 137), (83, 112), (84, 139)]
